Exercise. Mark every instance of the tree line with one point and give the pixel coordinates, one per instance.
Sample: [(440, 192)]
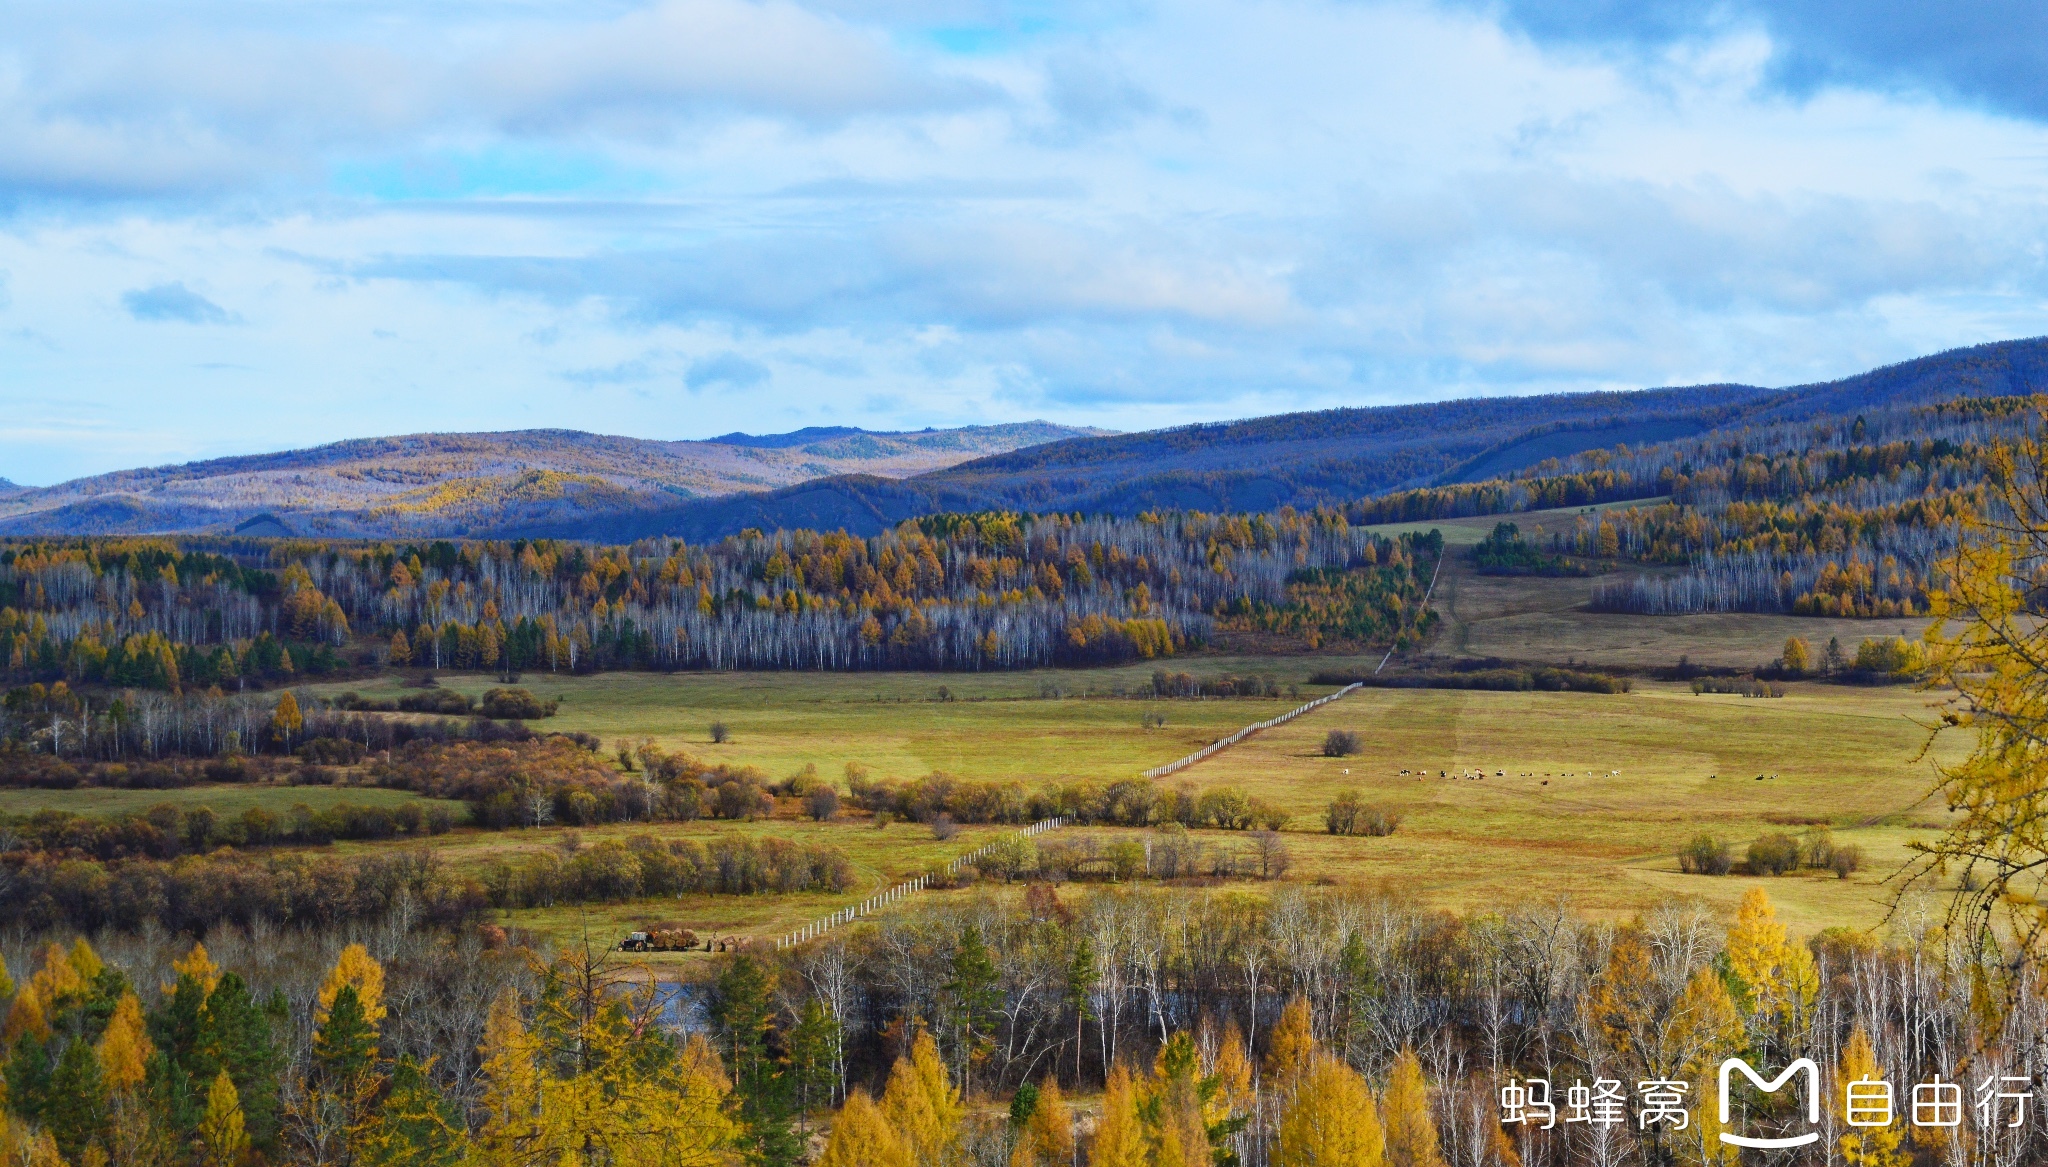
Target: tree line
[(946, 592)]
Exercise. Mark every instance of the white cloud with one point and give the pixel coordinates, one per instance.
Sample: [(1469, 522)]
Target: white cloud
[(903, 214)]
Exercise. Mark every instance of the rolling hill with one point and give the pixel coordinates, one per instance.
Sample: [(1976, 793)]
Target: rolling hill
[(566, 484), (1339, 455), (459, 484)]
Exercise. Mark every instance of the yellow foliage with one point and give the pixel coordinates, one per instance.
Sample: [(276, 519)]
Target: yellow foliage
[(862, 1137), (1120, 1136), (922, 1105), (125, 1048), (1410, 1131), (1331, 1121), (1291, 1044), (1048, 1138), (26, 1016), (354, 967), (200, 967), (223, 1140), (510, 1096), (1866, 1146)]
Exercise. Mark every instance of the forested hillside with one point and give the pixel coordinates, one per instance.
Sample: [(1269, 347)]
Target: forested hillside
[(1338, 457), (949, 592), (430, 485)]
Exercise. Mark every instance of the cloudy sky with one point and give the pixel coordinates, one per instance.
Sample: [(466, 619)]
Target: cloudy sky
[(250, 225)]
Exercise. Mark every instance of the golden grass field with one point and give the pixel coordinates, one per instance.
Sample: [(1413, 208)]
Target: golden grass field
[(225, 799), (1843, 756)]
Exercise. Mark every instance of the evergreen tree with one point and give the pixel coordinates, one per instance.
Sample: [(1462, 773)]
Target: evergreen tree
[(1081, 976), (743, 1009), (974, 999), (813, 1046), (28, 1076), (415, 1126), (345, 1044), (237, 1039), (75, 1109)]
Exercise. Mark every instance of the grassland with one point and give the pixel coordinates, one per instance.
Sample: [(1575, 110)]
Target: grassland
[(228, 800), (996, 725), (1598, 792)]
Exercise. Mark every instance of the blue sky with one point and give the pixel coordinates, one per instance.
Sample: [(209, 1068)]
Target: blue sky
[(231, 227)]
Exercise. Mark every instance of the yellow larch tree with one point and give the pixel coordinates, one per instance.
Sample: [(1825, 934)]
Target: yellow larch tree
[(355, 966), (1866, 1146), (125, 1048), (922, 1104), (1120, 1135), (200, 967), (1289, 1045), (1777, 976), (1411, 1132), (1706, 1027), (42, 1151), (223, 1141), (862, 1137), (1233, 1074), (1174, 1105), (1047, 1139), (1331, 1120), (510, 1133)]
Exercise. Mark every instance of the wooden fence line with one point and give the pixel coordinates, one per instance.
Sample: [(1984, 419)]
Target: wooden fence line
[(883, 899), (1216, 747)]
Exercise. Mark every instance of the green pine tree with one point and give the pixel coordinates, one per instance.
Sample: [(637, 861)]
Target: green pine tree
[(743, 1009), (814, 1056), (28, 1077), (974, 999), (1081, 974), (76, 1109), (345, 1045), (237, 1038), (416, 1126)]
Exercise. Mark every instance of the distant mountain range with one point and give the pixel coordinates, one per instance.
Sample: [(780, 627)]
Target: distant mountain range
[(1334, 456), (471, 484), (566, 484)]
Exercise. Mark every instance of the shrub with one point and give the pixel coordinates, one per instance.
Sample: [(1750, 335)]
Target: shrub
[(1348, 814), (1339, 743), (329, 751), (944, 829), (822, 803), (1377, 823), (1705, 855), (1270, 855), (515, 705), (1773, 854), (720, 732), (1845, 859), (436, 700), (1341, 816)]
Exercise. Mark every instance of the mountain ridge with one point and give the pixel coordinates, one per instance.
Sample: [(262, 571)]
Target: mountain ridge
[(459, 483)]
